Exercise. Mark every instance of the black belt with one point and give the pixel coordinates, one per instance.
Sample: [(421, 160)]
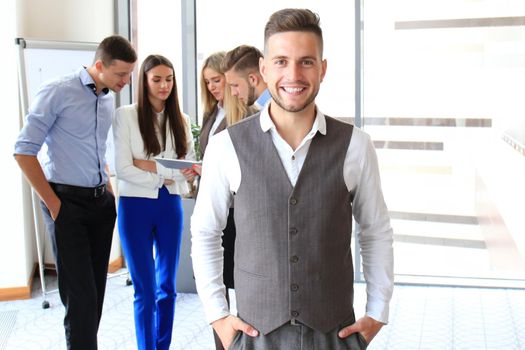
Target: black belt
[(91, 192)]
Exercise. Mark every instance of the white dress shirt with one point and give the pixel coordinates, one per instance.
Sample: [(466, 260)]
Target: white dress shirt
[(222, 178), (221, 114)]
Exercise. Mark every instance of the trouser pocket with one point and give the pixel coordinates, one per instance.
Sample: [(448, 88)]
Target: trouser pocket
[(236, 343)]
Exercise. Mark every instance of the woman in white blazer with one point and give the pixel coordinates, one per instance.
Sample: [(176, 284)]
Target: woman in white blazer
[(150, 208)]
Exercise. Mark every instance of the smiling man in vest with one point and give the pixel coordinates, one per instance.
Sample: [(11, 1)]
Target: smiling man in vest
[(298, 177)]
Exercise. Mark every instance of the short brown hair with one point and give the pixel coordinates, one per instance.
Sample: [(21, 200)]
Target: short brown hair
[(241, 59), (293, 20), (115, 47)]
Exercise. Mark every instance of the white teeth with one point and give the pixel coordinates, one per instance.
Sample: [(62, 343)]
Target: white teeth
[(292, 90)]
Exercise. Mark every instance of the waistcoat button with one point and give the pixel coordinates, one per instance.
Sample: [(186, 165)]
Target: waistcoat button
[(294, 259), (293, 231), (293, 201), (295, 313), (294, 287)]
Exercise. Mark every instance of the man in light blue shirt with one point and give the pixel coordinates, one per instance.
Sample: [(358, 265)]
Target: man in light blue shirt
[(72, 116)]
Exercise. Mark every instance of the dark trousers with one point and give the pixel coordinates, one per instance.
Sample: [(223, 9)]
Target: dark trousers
[(81, 237), (228, 243), (216, 339), (299, 337)]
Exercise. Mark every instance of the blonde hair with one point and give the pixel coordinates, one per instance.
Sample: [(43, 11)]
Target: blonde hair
[(209, 103), (235, 109)]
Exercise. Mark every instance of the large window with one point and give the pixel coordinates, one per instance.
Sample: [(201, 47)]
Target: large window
[(443, 100)]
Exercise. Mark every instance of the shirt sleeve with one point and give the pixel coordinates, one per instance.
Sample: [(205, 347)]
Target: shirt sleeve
[(124, 167), (374, 232), (207, 222), (40, 118)]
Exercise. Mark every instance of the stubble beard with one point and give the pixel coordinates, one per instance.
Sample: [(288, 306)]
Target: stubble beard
[(277, 99), (251, 96)]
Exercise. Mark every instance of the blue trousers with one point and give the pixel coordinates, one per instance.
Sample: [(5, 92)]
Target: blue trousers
[(145, 224)]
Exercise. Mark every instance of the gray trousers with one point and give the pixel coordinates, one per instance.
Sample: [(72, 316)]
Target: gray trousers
[(298, 337)]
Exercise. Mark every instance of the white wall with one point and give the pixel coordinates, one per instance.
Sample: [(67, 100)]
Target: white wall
[(65, 20), (13, 265)]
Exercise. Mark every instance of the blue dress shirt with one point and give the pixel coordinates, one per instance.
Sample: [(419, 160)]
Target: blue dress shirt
[(263, 99), (68, 116)]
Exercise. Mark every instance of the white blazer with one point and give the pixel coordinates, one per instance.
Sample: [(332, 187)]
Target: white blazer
[(135, 182)]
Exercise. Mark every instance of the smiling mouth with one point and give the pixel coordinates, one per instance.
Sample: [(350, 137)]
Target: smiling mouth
[(293, 90)]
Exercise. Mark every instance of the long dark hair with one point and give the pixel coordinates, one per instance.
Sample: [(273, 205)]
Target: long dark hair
[(172, 113)]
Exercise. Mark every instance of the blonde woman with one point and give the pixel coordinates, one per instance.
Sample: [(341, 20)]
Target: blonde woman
[(221, 109)]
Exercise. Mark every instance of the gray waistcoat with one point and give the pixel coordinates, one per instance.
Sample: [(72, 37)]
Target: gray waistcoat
[(292, 252)]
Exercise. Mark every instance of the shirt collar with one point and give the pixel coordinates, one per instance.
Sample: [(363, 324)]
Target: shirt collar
[(319, 122), (263, 99), (88, 81)]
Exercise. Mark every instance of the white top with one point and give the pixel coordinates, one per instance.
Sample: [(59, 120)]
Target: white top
[(135, 182), (222, 177), (221, 114)]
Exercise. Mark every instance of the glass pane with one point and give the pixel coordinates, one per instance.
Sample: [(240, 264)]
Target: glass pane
[(159, 32), (443, 101)]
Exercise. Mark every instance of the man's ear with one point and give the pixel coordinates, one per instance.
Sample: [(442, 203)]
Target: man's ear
[(99, 65), (262, 68), (324, 65), (253, 78)]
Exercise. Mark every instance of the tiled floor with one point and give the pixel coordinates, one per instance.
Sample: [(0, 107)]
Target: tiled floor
[(421, 318)]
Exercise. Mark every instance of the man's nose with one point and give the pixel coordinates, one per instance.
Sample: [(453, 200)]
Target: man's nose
[(293, 71), (126, 79)]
